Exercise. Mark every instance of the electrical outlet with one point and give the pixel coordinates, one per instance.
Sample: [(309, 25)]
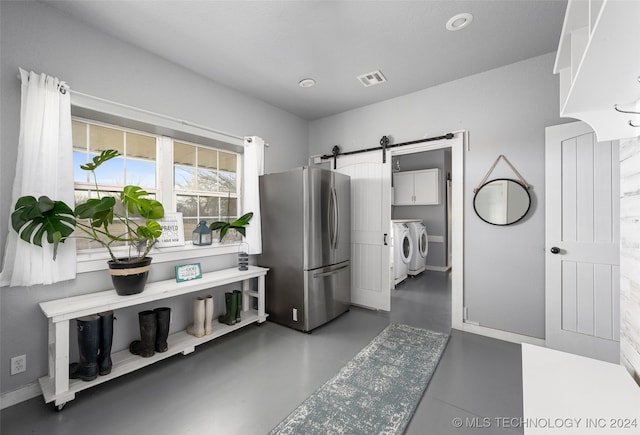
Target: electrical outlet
[(18, 364)]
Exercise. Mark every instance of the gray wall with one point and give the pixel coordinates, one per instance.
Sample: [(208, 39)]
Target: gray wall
[(505, 111), (434, 217), (36, 37)]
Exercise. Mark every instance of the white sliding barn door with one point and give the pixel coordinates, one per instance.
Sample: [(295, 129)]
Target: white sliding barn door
[(370, 226), (582, 243)]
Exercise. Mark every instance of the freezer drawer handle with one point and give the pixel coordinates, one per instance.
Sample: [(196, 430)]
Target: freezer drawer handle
[(330, 272)]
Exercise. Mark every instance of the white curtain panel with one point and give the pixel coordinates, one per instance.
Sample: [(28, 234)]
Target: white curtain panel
[(44, 167), (253, 168)]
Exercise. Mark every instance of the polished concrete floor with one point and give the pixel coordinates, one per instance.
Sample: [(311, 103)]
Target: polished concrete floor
[(246, 382)]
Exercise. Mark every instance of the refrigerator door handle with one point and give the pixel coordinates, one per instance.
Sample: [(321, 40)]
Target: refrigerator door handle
[(330, 272), (336, 217), (330, 217)]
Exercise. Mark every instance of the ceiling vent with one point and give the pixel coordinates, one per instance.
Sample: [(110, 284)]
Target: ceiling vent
[(372, 78)]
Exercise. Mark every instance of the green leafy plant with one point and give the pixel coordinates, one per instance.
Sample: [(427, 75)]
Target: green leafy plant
[(238, 225), (34, 218)]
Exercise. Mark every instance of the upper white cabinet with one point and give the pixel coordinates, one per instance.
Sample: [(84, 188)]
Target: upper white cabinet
[(417, 187), (598, 61)]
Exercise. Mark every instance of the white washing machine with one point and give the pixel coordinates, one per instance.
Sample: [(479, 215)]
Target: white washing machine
[(403, 250), (418, 234)]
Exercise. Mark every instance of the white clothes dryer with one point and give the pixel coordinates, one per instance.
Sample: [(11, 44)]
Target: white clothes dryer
[(420, 238), (403, 250)]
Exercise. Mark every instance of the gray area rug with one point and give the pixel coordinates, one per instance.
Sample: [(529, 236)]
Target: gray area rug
[(377, 392)]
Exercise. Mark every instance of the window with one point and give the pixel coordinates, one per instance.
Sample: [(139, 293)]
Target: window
[(203, 182)]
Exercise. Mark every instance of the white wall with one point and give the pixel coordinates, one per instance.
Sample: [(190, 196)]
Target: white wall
[(37, 37), (505, 111)]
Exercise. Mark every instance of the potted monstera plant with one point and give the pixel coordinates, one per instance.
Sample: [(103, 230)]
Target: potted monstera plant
[(109, 221)]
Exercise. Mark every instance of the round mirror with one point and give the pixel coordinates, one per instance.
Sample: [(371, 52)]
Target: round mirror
[(502, 201)]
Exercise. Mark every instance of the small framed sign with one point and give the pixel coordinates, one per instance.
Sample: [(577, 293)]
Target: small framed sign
[(187, 272), (172, 230)]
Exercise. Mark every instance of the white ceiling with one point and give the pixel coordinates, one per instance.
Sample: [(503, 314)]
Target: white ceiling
[(264, 48)]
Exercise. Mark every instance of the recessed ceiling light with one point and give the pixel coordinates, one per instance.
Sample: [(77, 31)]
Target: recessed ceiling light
[(306, 83), (459, 21)]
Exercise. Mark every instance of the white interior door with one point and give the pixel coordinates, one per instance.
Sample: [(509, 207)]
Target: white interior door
[(582, 242), (370, 226)]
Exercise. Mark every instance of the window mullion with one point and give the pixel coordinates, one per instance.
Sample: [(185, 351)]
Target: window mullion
[(240, 185), (125, 157), (165, 166)]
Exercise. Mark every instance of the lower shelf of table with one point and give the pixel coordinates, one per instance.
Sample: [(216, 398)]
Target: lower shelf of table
[(124, 362)]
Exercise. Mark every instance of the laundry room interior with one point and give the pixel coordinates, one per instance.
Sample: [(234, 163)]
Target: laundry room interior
[(435, 216)]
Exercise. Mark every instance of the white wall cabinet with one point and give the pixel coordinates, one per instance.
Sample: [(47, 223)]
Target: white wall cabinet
[(417, 187), (599, 66), (58, 388)]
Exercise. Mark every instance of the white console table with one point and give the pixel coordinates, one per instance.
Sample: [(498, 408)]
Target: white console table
[(58, 388)]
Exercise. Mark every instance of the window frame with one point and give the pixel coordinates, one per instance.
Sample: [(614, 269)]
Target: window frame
[(94, 259), (237, 195)]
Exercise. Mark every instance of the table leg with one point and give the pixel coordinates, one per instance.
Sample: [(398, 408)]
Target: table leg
[(261, 302), (245, 296), (60, 358)]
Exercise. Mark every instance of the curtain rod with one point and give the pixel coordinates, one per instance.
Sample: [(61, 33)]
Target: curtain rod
[(64, 87), (159, 115), (148, 112)]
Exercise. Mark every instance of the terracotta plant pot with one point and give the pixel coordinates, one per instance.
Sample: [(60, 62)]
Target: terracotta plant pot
[(129, 278)]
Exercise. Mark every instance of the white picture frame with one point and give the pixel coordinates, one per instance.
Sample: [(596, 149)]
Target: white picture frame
[(172, 230)]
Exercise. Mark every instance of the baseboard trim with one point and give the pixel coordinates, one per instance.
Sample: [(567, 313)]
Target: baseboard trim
[(435, 239), (502, 335), (23, 393), (438, 268)]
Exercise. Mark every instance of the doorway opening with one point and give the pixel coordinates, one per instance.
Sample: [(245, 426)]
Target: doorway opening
[(371, 204), (421, 201), (455, 213)]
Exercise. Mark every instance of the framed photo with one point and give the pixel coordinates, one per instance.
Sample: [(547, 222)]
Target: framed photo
[(187, 272), (172, 230)]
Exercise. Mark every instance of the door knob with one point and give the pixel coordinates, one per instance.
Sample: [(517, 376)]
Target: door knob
[(555, 250)]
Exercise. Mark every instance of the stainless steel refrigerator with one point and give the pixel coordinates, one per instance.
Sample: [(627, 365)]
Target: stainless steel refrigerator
[(306, 243)]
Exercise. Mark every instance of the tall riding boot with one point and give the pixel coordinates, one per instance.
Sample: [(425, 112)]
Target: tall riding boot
[(197, 328), (163, 314), (231, 303), (145, 347), (88, 344), (208, 315), (106, 339), (238, 295)]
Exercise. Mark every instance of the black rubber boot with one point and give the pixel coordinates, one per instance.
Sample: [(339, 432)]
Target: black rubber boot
[(238, 295), (163, 314), (145, 347), (231, 303), (106, 339), (88, 344)]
